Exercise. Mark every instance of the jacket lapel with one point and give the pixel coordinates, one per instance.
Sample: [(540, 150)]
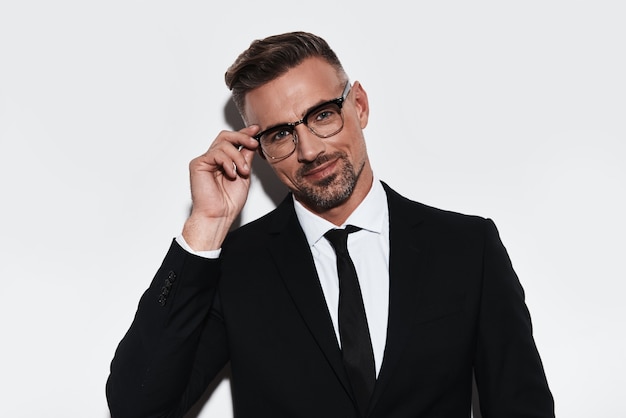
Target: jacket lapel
[(406, 263), (408, 246), (294, 260)]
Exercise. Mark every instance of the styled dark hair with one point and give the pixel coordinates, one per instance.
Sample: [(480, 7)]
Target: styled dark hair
[(267, 59)]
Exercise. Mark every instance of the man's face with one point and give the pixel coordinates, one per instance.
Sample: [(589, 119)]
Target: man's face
[(323, 173)]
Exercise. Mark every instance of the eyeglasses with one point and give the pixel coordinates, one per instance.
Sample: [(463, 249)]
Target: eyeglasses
[(324, 120)]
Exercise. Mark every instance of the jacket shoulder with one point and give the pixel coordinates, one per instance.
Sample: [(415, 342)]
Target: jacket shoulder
[(400, 205)]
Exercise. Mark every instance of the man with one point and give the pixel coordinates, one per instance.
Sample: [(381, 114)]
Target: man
[(436, 298)]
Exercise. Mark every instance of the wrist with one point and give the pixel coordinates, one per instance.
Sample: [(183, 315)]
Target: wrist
[(205, 234)]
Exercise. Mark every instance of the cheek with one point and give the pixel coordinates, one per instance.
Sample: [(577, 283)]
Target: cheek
[(285, 173), (358, 147)]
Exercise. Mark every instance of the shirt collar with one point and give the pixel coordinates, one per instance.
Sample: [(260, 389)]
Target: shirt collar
[(370, 215)]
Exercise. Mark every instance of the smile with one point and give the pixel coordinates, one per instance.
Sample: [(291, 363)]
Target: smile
[(322, 171)]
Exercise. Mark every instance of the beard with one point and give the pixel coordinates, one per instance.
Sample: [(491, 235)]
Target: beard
[(331, 191)]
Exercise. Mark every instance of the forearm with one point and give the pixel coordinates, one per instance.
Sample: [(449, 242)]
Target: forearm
[(152, 366)]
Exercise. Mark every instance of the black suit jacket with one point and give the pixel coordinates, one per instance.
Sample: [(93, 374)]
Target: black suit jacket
[(456, 308)]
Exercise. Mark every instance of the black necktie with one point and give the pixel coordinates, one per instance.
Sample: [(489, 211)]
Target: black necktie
[(356, 345)]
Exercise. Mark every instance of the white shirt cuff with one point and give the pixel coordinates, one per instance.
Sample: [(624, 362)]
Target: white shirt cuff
[(205, 254)]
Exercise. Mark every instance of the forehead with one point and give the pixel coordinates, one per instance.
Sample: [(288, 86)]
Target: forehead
[(288, 97)]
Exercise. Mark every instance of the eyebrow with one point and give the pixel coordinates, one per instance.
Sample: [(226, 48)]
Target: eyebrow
[(302, 115)]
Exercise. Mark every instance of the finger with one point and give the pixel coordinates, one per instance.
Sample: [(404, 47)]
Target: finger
[(226, 161), (236, 139), (247, 141), (242, 160), (231, 152), (242, 164), (231, 160)]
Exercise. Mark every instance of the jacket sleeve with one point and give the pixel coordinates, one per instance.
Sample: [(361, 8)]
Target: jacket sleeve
[(509, 374), (176, 343)]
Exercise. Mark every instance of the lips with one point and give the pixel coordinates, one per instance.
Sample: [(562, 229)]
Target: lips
[(320, 171)]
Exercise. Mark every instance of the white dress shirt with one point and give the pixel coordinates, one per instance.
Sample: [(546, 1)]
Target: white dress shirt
[(369, 250)]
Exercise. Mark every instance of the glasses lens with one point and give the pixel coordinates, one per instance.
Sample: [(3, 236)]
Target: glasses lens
[(278, 142), (325, 120)]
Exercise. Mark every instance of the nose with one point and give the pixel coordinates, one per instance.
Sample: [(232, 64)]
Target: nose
[(309, 145)]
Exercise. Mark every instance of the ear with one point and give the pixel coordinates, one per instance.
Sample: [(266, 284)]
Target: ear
[(361, 103)]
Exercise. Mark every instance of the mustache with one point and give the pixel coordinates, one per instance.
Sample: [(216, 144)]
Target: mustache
[(306, 167)]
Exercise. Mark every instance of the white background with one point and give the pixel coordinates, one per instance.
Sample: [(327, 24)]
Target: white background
[(510, 110)]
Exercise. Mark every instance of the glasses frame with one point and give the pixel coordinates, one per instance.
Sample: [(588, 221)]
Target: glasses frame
[(292, 125)]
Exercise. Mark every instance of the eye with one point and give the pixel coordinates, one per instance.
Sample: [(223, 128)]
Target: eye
[(277, 135), (325, 114)]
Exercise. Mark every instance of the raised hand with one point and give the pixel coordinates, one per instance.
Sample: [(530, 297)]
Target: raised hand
[(220, 180)]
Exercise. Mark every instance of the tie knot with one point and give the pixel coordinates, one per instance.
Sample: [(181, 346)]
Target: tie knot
[(338, 238)]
